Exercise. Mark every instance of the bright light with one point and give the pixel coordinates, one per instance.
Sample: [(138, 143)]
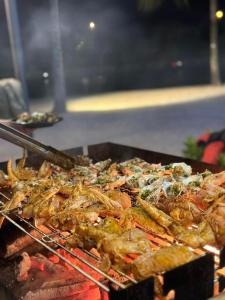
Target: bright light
[(45, 75), (92, 25), (219, 14)]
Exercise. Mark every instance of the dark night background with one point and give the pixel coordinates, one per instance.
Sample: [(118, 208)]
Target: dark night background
[(128, 49)]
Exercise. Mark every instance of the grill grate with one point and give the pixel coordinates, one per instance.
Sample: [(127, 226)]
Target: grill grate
[(52, 238)]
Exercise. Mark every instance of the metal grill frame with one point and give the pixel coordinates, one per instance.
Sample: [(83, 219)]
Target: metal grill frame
[(47, 239), (179, 279)]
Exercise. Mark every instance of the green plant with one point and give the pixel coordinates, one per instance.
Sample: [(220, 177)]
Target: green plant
[(192, 150), (221, 161)]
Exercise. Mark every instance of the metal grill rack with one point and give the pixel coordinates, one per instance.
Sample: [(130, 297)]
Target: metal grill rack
[(191, 281), (51, 241), (52, 238)]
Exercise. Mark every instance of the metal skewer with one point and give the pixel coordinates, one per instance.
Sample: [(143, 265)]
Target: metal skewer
[(46, 239), (102, 286)]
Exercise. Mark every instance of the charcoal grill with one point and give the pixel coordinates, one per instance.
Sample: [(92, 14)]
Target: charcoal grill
[(192, 281)]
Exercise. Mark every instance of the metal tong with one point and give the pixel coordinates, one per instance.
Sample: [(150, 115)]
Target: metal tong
[(46, 152)]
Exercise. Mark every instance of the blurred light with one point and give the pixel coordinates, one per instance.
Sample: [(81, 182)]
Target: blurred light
[(219, 14), (179, 63), (85, 80), (92, 25), (45, 75), (146, 98), (80, 45)]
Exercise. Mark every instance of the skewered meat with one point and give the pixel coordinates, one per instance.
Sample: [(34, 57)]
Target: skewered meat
[(123, 198), (51, 205), (4, 181), (87, 236), (136, 216), (158, 215), (194, 238), (90, 202), (111, 241), (17, 198), (216, 218), (54, 196), (186, 209), (133, 241), (162, 260), (69, 219), (191, 237)]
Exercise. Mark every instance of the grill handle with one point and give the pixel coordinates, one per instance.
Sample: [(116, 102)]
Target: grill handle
[(46, 152)]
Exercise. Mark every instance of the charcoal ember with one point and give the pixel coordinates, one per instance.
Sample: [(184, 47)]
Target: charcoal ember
[(24, 267), (39, 277), (24, 242), (77, 291)]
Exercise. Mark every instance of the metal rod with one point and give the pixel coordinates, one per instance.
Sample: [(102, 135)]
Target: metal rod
[(55, 232), (95, 257), (122, 286), (112, 267), (50, 240), (102, 286)]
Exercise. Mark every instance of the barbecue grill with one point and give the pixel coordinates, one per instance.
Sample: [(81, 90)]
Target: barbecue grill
[(194, 280)]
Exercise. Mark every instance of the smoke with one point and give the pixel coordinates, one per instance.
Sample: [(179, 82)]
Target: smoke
[(37, 29), (97, 58), (75, 18)]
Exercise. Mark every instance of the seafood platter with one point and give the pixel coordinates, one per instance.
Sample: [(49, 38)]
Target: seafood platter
[(37, 119), (123, 223)]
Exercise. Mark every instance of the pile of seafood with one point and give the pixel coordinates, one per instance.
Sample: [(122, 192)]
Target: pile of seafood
[(106, 205), (26, 118)]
